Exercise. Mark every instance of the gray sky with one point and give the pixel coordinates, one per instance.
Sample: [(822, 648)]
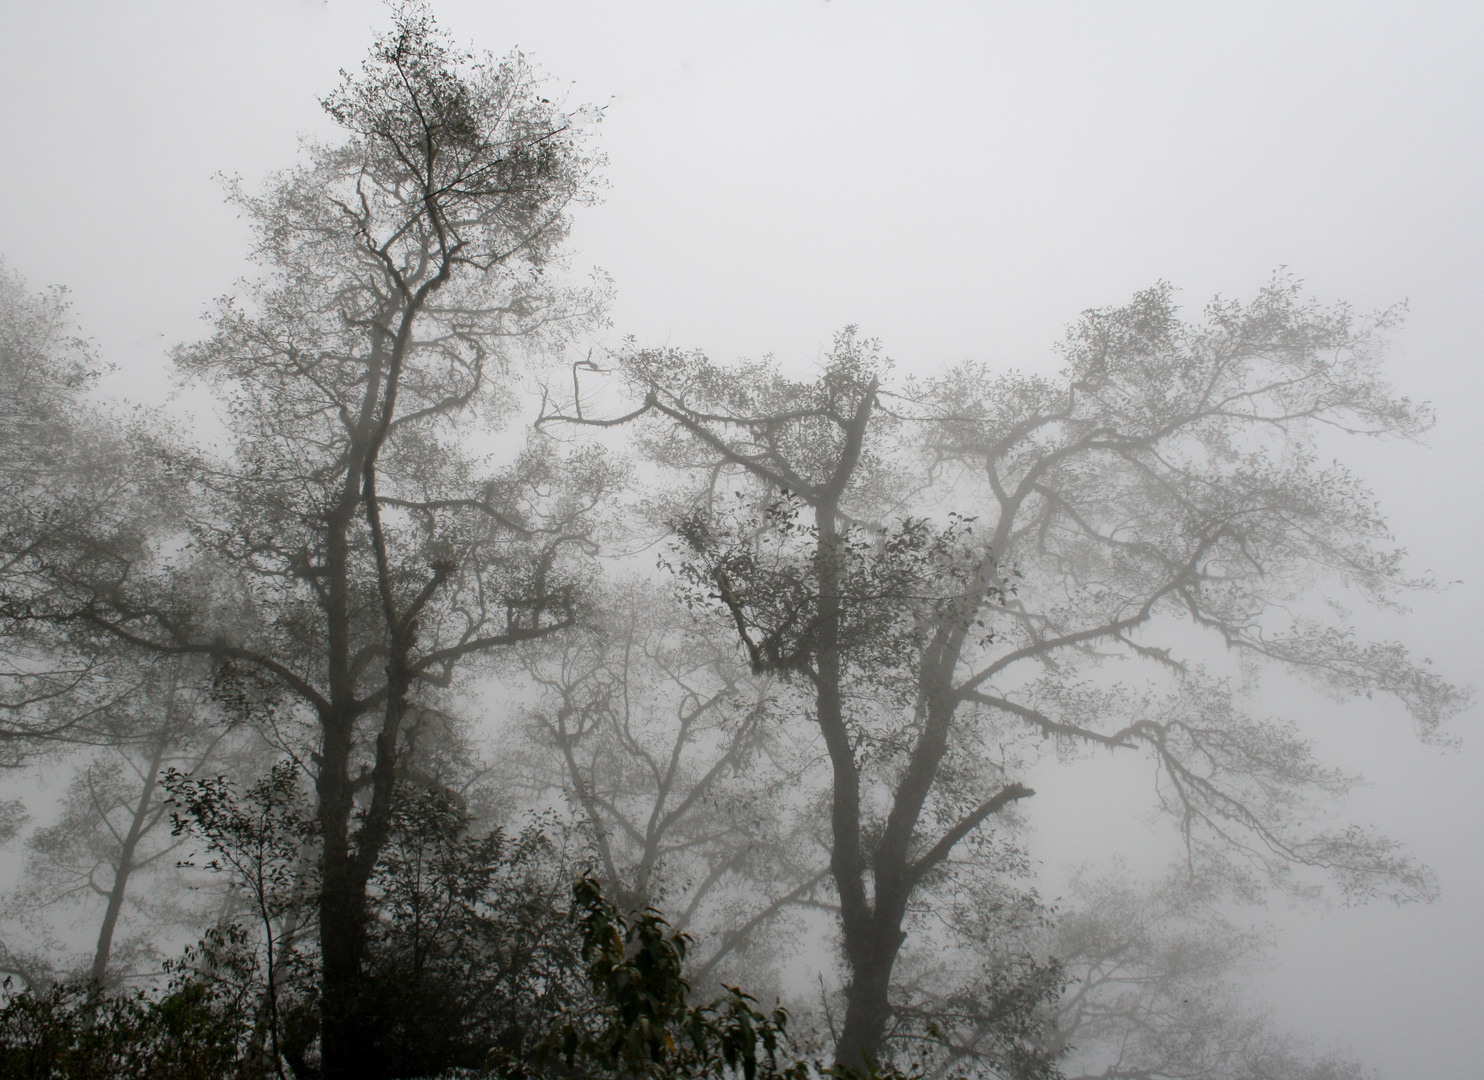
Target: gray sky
[(960, 180)]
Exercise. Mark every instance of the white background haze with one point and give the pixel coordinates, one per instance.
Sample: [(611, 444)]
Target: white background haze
[(958, 179)]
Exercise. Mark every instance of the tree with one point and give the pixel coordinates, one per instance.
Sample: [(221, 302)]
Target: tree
[(474, 954), (44, 370), (188, 1032), (644, 1023), (259, 842), (352, 553), (948, 569), (470, 953), (1143, 985), (672, 752), (978, 984), (1152, 997), (61, 464), (114, 826)]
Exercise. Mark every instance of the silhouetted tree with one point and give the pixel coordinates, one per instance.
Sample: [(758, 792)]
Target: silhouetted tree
[(643, 1023), (943, 569), (353, 549), (470, 954)]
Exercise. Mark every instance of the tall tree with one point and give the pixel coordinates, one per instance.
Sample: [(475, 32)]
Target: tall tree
[(354, 548), (942, 570)]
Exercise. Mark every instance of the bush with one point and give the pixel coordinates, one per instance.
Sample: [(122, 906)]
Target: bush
[(70, 1032)]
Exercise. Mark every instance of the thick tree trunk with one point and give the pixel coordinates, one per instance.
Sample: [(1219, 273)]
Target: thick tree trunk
[(867, 1010), (342, 900), (349, 1040), (342, 914), (872, 954), (346, 1049), (349, 1044), (872, 924), (872, 935)]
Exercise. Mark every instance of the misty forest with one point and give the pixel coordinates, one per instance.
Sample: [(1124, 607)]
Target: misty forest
[(448, 681)]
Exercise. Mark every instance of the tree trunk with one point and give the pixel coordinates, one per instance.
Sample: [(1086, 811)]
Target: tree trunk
[(122, 870), (349, 1045), (342, 899), (342, 913), (869, 951), (345, 1046), (867, 1009), (872, 926), (871, 948)]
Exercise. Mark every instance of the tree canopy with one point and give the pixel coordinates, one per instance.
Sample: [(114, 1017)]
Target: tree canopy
[(882, 602), (950, 566)]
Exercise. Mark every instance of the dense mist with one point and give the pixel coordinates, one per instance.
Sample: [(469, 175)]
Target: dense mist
[(812, 537)]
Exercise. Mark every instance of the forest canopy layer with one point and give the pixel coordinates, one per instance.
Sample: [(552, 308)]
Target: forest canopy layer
[(374, 712)]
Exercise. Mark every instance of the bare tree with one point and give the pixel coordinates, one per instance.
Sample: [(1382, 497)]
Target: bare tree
[(114, 828), (1153, 996), (671, 750), (353, 549), (1168, 480), (1152, 979)]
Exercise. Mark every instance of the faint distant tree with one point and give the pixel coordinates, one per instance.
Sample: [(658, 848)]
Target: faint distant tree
[(44, 371), (114, 828), (354, 550), (62, 463), (944, 572), (1150, 976), (672, 751), (1153, 996)]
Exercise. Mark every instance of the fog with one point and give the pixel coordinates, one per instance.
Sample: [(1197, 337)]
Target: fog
[(960, 181)]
